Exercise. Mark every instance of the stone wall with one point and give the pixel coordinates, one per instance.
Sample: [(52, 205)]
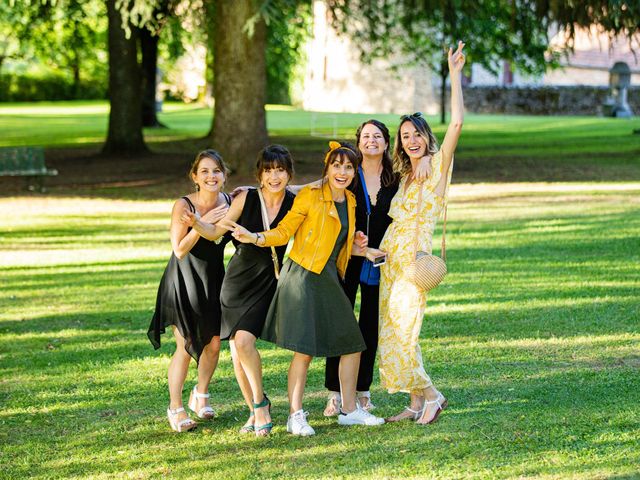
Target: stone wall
[(543, 100)]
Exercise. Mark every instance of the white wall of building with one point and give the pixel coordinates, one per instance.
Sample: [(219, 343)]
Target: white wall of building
[(337, 81)]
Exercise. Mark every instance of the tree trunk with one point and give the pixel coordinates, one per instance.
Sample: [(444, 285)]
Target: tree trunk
[(443, 92), (149, 47), (75, 61), (125, 117), (239, 128)]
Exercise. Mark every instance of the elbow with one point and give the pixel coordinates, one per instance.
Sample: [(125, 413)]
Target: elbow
[(209, 236), (456, 124)]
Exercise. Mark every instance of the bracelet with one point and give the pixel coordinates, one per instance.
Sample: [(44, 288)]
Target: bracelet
[(257, 238)]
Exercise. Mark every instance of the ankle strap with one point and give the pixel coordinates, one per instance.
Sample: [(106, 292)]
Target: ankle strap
[(197, 394), (265, 402)]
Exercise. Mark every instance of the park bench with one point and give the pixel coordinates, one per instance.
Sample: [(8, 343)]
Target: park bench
[(25, 162)]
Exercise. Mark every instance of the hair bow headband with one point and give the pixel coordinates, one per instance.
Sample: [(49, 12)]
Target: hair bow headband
[(333, 145)]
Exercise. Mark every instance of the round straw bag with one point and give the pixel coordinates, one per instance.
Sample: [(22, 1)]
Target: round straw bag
[(427, 270)]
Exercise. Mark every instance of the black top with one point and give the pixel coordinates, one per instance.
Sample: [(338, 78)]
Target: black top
[(250, 281), (251, 219), (379, 219)]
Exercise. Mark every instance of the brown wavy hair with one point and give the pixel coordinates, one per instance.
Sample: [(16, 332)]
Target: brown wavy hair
[(401, 161), (211, 154)]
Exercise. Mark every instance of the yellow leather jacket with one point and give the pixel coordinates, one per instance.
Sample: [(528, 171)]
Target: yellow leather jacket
[(314, 220)]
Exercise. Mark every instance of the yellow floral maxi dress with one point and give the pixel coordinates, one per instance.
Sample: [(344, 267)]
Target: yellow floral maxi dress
[(402, 304)]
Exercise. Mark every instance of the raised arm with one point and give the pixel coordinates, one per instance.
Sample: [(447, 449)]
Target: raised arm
[(456, 62)]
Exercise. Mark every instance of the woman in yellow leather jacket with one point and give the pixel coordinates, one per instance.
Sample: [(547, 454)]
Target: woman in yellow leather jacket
[(310, 313)]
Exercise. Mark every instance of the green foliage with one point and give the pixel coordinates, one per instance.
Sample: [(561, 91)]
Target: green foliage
[(493, 30), (64, 38), (614, 17), (287, 31), (54, 86)]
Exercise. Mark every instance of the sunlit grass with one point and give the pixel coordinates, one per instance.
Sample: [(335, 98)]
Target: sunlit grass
[(536, 144), (533, 337)]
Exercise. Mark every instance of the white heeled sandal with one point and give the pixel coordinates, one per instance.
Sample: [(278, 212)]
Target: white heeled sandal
[(180, 426), (442, 403), (206, 412)]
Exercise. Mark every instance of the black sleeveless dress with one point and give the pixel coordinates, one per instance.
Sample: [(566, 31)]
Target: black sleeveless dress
[(250, 282), (189, 295)]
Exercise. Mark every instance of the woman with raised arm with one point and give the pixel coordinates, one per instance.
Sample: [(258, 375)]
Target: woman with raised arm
[(310, 313), (189, 294), (250, 280), (377, 184), (402, 304)]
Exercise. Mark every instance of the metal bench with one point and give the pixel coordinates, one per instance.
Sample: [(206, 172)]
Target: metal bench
[(25, 162)]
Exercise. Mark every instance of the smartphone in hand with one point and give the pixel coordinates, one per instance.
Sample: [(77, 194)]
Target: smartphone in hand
[(381, 260)]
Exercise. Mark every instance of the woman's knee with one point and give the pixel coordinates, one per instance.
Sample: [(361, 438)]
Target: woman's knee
[(244, 342), (213, 347), (302, 358)]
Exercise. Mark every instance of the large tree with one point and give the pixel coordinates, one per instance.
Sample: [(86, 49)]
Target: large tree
[(239, 84), (245, 33), (504, 28), (125, 89)]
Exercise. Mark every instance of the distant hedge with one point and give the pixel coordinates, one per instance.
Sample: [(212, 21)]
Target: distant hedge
[(28, 88)]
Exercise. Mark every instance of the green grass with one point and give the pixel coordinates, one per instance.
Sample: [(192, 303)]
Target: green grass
[(533, 337), (492, 148)]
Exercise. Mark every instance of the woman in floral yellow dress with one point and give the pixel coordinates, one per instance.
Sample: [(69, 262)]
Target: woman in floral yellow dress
[(402, 304)]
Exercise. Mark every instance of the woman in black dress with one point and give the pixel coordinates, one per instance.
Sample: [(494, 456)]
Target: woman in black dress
[(189, 293), (310, 314), (250, 280), (374, 190)]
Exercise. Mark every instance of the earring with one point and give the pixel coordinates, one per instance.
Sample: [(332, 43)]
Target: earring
[(196, 187)]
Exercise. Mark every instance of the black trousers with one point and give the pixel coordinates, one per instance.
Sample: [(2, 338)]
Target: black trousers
[(368, 322)]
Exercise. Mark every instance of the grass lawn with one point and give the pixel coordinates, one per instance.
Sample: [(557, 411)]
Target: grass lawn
[(533, 337), (492, 147)]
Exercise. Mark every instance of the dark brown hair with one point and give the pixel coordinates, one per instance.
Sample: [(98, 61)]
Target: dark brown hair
[(274, 156), (388, 176), (211, 154), (348, 153)]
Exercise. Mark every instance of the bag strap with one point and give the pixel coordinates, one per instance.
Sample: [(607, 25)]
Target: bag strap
[(265, 223), (366, 196), (443, 252)]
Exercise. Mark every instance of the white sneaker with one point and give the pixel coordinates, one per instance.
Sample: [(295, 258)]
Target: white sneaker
[(359, 417), (297, 424)]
